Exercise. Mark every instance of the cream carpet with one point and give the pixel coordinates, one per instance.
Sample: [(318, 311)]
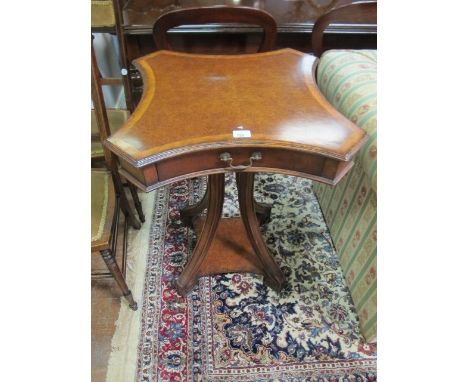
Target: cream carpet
[(123, 358)]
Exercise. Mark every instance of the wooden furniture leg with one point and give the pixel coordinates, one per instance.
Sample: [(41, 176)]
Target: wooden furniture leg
[(136, 201), (109, 259), (273, 276), (126, 209), (188, 214), (124, 204), (189, 275), (263, 211)]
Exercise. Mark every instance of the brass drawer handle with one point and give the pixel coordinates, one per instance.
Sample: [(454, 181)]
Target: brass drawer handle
[(226, 157)]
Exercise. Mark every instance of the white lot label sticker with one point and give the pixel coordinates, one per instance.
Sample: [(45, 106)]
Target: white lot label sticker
[(241, 134)]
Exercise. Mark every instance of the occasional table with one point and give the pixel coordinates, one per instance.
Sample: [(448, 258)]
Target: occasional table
[(212, 114)]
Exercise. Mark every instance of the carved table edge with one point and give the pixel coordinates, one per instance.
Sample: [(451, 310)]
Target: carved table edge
[(224, 145)]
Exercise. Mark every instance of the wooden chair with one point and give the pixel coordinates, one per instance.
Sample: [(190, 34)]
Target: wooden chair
[(104, 229), (108, 198), (362, 12), (111, 120), (216, 14)]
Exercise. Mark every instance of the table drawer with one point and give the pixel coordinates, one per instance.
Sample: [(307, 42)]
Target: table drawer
[(298, 163)]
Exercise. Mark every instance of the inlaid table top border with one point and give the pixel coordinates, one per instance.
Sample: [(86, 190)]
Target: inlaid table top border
[(140, 158)]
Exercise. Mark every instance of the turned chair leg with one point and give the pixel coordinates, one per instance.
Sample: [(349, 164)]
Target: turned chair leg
[(136, 201), (127, 210), (124, 204), (109, 259)]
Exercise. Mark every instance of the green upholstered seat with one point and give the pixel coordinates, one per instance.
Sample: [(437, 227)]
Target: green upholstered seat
[(116, 117), (102, 13), (102, 208), (348, 80), (96, 150)]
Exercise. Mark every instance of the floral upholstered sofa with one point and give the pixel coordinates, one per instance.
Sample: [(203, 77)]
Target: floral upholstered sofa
[(347, 78)]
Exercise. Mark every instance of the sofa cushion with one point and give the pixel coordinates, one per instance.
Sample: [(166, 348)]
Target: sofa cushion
[(348, 79)]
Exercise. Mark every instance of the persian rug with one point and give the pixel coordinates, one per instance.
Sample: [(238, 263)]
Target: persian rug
[(231, 327)]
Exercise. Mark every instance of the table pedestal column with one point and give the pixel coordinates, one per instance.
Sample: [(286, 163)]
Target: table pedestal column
[(229, 245)]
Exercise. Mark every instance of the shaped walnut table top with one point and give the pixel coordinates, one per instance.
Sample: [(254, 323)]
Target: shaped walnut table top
[(193, 103), (210, 114)]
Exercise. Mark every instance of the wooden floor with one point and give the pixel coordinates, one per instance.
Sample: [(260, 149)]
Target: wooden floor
[(105, 306)]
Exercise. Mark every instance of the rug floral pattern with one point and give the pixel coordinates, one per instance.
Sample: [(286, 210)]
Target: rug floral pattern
[(233, 328)]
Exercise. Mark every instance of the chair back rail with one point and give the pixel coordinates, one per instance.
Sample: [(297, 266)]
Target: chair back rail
[(362, 12), (215, 14)]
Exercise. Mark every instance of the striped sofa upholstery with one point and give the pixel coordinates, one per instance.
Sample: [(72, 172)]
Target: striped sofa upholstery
[(347, 78)]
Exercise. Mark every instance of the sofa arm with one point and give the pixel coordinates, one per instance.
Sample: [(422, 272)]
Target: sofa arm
[(348, 79)]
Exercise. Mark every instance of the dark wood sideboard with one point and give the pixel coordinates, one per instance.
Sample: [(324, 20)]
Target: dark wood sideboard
[(295, 19)]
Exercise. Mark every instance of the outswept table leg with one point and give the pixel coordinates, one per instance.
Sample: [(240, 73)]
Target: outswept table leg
[(189, 213), (189, 275), (273, 276), (263, 211)]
